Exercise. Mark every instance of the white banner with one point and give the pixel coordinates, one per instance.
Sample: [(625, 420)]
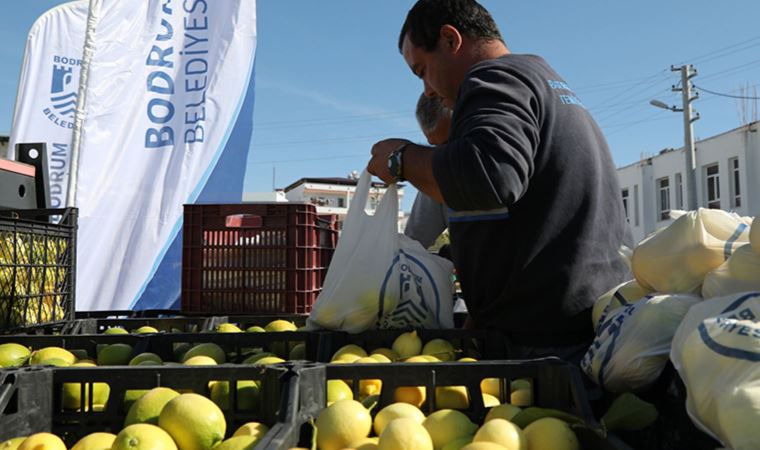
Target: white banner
[(47, 90), (168, 117)]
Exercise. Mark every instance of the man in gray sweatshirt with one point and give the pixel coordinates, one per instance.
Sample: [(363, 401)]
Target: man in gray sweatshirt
[(536, 216)]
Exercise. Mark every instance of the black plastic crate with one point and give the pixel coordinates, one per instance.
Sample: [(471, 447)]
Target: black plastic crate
[(481, 344), (555, 384), (45, 410), (88, 343), (37, 267), (128, 314)]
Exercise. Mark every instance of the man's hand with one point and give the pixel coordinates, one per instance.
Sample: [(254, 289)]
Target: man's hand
[(378, 164)]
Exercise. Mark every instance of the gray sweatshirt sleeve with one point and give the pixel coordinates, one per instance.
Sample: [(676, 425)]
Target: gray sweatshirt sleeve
[(426, 221), (488, 160)]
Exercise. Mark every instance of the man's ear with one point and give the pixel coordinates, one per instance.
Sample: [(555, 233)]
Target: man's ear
[(450, 39)]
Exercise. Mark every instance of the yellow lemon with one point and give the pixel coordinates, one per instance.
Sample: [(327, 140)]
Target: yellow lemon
[(13, 355), (48, 353), (267, 360), (380, 358), (72, 393), (404, 434), (414, 395), (342, 423), (491, 386), (407, 345), (350, 349), (148, 407), (247, 395), (207, 349), (551, 433), (452, 397), (368, 443), (502, 432), (193, 421), (146, 357), (115, 355), (42, 441), (238, 443), (506, 411), (228, 328), (457, 444), (338, 390), (145, 330), (388, 353), (115, 330), (467, 359), (440, 348), (521, 397), (483, 446), (12, 444), (447, 425), (280, 325), (251, 429), (396, 411), (143, 436), (490, 401), (95, 441), (200, 361)]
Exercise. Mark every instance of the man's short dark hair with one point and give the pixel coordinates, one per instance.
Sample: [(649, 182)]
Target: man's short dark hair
[(425, 19), (430, 111)]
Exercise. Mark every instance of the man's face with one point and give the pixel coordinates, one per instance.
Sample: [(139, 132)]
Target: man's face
[(435, 69), (439, 135)]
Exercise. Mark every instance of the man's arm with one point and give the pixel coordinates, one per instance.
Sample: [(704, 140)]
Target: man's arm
[(417, 165)]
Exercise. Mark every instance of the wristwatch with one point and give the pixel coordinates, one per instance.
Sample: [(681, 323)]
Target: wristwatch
[(396, 162)]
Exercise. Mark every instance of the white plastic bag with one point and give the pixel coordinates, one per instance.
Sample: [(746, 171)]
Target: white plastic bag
[(741, 273), (716, 351), (621, 295), (633, 343), (677, 258), (379, 278)]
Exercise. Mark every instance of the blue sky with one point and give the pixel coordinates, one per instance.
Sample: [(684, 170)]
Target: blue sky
[(330, 81)]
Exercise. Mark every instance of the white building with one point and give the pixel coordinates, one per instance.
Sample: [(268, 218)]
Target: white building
[(269, 197), (333, 195), (727, 177), (4, 142)]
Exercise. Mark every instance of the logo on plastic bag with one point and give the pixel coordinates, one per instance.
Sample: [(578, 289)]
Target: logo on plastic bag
[(735, 331), (419, 299)]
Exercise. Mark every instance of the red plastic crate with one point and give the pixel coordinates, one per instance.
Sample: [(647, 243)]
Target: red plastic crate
[(262, 258)]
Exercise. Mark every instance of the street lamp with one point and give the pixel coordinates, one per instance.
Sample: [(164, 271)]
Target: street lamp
[(687, 72)]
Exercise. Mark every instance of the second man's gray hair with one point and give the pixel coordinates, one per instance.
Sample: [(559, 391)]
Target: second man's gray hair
[(430, 110)]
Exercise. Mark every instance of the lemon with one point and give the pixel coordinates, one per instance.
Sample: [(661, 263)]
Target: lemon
[(490, 401), (255, 357), (458, 443), (367, 443), (452, 397), (255, 429), (238, 443), (407, 345), (12, 444), (520, 383), (267, 360), (338, 390), (379, 357), (419, 359), (346, 358), (447, 425), (115, 355), (143, 436), (551, 433), (145, 329), (396, 411), (255, 329), (132, 395), (193, 421), (179, 349), (414, 395), (280, 325), (440, 348), (483, 446), (521, 397), (146, 357), (388, 353), (404, 434), (148, 407), (42, 441), (506, 411), (207, 349), (247, 395), (72, 393), (342, 423), (467, 359), (350, 349), (502, 432), (228, 328), (491, 386), (95, 441), (200, 360), (13, 355), (298, 352), (115, 330), (48, 353)]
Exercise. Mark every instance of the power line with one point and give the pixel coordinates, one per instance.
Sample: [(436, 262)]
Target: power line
[(286, 161), (742, 97), (333, 140)]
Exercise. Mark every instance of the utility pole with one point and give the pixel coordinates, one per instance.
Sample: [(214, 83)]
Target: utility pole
[(687, 73)]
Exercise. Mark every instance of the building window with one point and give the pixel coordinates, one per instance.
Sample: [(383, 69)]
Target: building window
[(736, 198), (341, 202), (625, 204), (712, 184), (636, 205), (663, 198), (679, 191)]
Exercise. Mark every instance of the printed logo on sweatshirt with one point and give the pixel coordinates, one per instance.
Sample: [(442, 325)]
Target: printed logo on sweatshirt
[(567, 98)]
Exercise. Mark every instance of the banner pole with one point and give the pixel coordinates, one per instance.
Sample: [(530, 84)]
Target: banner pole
[(93, 15)]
